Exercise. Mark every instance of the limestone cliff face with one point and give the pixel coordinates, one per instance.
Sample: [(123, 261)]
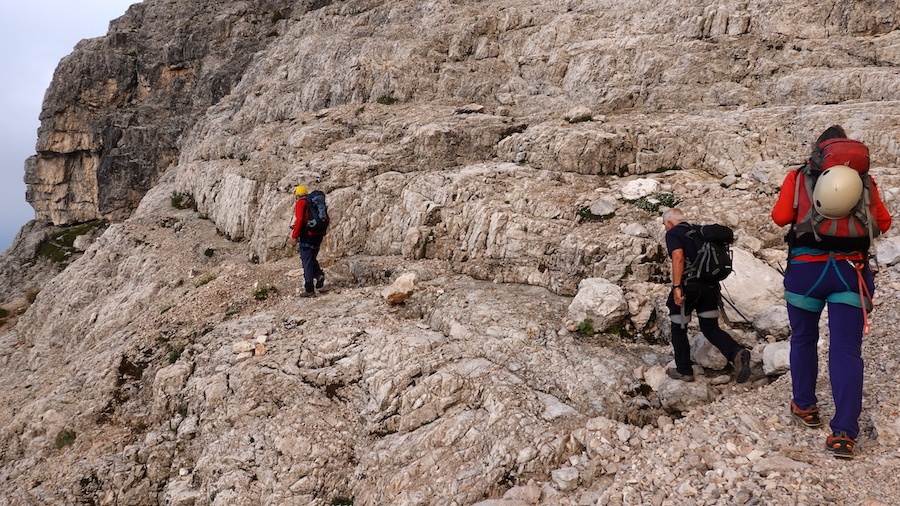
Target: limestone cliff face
[(507, 156), (117, 106), (677, 85)]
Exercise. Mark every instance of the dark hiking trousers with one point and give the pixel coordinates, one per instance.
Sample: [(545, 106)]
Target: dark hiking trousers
[(311, 268), (706, 304)]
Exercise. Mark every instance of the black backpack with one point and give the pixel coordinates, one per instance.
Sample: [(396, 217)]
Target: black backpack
[(318, 213), (714, 257)]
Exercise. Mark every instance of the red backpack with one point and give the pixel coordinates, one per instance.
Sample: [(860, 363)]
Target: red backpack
[(860, 223)]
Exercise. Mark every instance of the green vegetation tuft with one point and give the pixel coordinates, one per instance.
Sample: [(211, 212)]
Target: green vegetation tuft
[(65, 438), (182, 201), (233, 308), (263, 292), (652, 203), (387, 100), (584, 212), (58, 246), (586, 327), (620, 330)]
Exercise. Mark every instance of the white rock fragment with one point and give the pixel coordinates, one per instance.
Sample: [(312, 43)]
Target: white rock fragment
[(243, 347), (566, 479), (777, 358), (600, 301), (400, 289), (638, 188)]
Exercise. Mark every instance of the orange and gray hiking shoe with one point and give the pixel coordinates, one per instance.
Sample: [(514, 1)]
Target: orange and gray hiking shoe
[(841, 444), (808, 417)]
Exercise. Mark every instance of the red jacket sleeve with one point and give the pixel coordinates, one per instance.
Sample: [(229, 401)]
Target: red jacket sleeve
[(299, 211), (882, 215), (784, 213)]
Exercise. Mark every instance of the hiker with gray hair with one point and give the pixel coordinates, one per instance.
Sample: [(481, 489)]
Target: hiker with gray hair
[(703, 298)]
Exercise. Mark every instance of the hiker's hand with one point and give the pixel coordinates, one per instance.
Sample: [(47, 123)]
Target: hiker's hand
[(678, 295)]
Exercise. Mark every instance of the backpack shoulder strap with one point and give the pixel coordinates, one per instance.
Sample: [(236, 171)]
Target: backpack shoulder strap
[(802, 176), (694, 234), (689, 226), (307, 213)]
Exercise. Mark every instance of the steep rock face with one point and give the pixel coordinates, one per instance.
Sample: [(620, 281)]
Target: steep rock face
[(115, 110), (674, 89)]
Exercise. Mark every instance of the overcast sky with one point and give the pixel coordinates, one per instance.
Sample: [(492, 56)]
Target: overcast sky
[(34, 36)]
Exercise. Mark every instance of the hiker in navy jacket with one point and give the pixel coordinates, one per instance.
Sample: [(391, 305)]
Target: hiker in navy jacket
[(308, 243), (703, 299)]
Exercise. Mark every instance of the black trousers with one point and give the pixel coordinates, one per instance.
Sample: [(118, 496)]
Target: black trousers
[(706, 303), (311, 268)]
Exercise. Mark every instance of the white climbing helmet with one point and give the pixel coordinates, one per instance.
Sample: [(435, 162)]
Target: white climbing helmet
[(837, 192)]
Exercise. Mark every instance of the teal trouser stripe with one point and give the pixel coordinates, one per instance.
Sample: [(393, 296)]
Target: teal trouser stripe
[(816, 305)]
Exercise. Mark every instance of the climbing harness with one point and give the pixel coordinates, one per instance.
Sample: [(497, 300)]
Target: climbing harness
[(861, 299)]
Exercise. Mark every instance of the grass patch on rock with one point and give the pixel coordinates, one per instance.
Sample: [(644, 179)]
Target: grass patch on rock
[(58, 246)]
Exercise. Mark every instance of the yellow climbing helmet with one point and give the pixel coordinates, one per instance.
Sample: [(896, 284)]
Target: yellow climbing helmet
[(300, 190), (837, 191)]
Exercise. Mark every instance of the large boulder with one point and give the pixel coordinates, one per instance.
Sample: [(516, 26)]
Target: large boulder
[(598, 301), (752, 288)]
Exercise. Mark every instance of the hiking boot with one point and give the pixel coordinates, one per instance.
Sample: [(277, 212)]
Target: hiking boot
[(308, 294), (672, 373), (320, 280), (841, 444), (742, 366), (808, 417)]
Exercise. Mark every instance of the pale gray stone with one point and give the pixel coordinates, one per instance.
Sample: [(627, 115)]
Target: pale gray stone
[(773, 321), (578, 114), (777, 464), (705, 354), (604, 206), (529, 494), (777, 358), (681, 396), (636, 230), (599, 301), (888, 250), (400, 289), (751, 288), (566, 478), (638, 188)]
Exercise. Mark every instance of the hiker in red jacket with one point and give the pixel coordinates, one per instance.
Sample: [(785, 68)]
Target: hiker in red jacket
[(828, 265), (308, 242)]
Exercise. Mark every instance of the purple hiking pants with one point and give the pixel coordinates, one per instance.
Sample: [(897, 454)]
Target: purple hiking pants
[(845, 328)]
